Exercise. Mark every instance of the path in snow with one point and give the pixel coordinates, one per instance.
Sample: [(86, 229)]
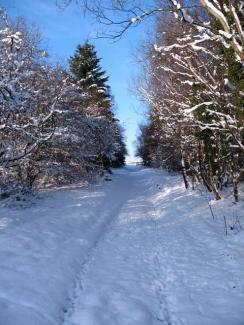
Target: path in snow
[(157, 263), (139, 250), (117, 280)]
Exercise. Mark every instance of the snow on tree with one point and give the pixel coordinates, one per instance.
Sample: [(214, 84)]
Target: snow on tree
[(192, 112), (26, 113), (196, 88), (86, 69), (55, 128), (87, 72), (118, 16)]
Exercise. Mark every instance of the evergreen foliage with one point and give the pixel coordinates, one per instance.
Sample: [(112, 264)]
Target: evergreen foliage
[(85, 68), (88, 74)]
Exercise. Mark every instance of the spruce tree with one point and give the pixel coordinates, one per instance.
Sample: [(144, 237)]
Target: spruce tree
[(85, 68), (87, 72)]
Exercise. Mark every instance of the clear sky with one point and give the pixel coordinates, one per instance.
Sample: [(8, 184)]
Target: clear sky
[(63, 30)]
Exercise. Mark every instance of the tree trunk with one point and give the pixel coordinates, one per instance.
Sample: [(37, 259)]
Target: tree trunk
[(183, 166), (201, 169), (213, 184), (234, 180)]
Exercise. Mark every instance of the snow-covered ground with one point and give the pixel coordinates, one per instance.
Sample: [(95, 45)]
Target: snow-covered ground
[(137, 250)]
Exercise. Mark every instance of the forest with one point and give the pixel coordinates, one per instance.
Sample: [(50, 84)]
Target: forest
[(57, 125), (193, 84)]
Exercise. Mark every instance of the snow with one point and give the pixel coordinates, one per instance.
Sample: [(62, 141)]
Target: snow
[(216, 13), (138, 249), (187, 17), (134, 20), (227, 35), (192, 109)]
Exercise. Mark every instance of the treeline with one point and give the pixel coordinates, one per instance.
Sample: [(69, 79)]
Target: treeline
[(193, 84), (57, 125)]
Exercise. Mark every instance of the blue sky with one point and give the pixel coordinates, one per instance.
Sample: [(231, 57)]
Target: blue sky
[(63, 30)]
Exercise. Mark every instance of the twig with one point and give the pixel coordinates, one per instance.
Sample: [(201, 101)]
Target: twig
[(226, 231), (211, 210)]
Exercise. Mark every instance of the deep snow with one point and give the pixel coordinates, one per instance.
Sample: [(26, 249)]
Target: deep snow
[(138, 250)]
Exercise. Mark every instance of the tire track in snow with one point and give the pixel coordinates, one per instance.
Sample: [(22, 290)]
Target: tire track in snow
[(129, 207), (109, 217)]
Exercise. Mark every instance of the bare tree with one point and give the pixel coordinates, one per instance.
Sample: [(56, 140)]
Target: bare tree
[(118, 16), (191, 110)]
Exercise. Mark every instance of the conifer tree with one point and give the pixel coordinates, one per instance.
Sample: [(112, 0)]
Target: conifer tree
[(87, 72), (85, 68)]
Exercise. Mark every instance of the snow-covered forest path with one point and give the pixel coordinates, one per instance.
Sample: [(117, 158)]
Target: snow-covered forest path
[(149, 267), (136, 250), (117, 284)]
